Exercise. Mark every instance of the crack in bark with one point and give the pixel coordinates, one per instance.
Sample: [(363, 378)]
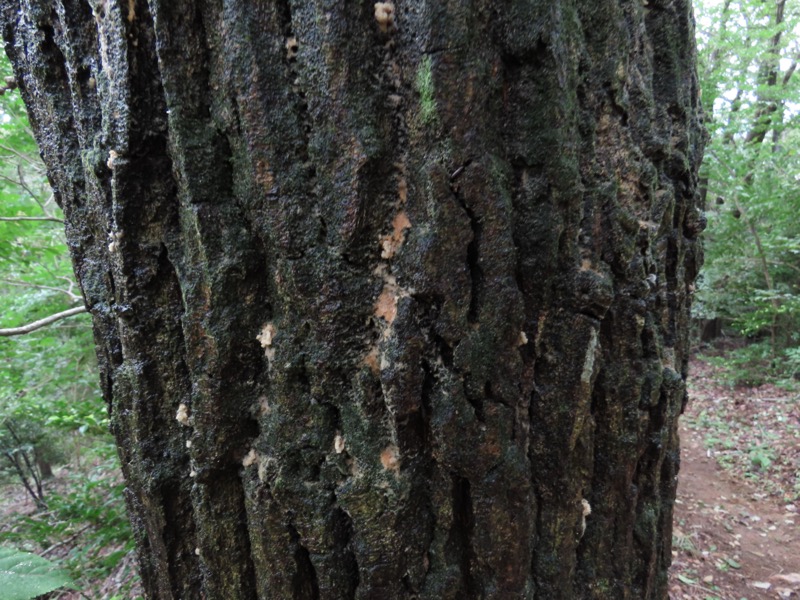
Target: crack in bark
[(537, 523), (439, 50), (304, 581), (476, 400), (301, 104), (343, 539), (178, 541), (473, 248), (460, 539)]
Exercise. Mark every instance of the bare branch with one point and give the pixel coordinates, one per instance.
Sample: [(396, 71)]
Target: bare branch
[(24, 185), (36, 162), (42, 322), (66, 541), (769, 75), (54, 219), (787, 76), (12, 219), (72, 295)]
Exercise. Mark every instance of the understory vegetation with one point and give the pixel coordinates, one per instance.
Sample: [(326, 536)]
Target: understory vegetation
[(750, 284), (60, 485), (61, 492)]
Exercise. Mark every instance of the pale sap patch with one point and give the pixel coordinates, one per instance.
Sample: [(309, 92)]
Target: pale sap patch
[(586, 510), (391, 242), (267, 335), (182, 416), (266, 339), (644, 225), (385, 308), (250, 458), (338, 443), (386, 304), (371, 360), (588, 363), (384, 15), (113, 156), (115, 238), (390, 458)]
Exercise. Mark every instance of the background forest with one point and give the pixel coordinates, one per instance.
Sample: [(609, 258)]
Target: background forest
[(60, 488)]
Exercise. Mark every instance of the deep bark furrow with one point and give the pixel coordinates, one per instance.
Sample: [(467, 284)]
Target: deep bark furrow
[(292, 46), (462, 534), (345, 554), (473, 250), (218, 412), (79, 33), (304, 582)]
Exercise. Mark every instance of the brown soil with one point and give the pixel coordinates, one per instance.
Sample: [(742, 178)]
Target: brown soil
[(734, 538)]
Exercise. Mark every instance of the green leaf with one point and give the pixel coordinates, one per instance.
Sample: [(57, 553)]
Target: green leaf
[(686, 580), (733, 564), (24, 576)]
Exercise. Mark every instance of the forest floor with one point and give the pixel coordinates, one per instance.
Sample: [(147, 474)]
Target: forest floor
[(737, 517)]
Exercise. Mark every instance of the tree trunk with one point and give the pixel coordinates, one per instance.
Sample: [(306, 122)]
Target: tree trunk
[(387, 298)]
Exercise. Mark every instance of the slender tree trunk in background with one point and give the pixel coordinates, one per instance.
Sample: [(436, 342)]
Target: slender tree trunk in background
[(386, 297)]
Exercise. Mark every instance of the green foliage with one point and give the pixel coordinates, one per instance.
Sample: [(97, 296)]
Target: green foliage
[(748, 366), (47, 380), (747, 62), (24, 576), (48, 392), (87, 510), (51, 413)]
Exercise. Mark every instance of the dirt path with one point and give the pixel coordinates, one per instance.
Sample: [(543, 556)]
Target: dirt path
[(732, 540)]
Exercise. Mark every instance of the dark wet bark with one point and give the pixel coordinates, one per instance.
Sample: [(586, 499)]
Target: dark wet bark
[(385, 297)]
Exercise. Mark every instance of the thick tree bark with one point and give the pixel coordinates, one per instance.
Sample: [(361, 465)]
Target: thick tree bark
[(386, 297)]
